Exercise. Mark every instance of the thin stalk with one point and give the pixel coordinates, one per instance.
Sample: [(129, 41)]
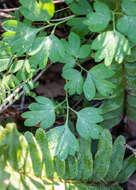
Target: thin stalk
[(67, 102), (60, 104), (58, 23), (113, 19), (82, 68)]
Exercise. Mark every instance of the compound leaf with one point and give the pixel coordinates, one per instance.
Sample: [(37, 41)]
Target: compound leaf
[(41, 112), (110, 45)]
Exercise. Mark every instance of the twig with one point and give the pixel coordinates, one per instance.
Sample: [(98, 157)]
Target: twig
[(58, 1), (61, 9), (20, 91), (9, 10), (130, 148), (2, 14), (60, 19)]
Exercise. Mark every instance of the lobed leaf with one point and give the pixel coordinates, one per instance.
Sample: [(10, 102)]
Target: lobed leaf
[(41, 112), (59, 139), (75, 81), (110, 45), (37, 11), (22, 38), (87, 123), (96, 80), (97, 21)]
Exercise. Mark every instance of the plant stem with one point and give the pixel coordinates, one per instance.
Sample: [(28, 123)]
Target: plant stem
[(60, 104), (58, 23), (73, 110), (113, 19), (67, 107), (82, 68)]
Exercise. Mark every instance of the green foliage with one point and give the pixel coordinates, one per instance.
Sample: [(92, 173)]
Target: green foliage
[(27, 161), (99, 57)]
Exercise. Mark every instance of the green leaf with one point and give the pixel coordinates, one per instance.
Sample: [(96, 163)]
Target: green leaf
[(99, 73), (96, 79), (103, 155), (110, 45), (85, 160), (118, 152), (5, 56), (45, 47), (115, 187), (132, 57), (87, 122), (4, 179), (16, 66), (22, 38), (37, 11), (14, 156), (111, 3), (89, 88), (84, 51), (62, 142), (127, 26), (129, 7), (74, 43), (60, 168), (129, 167), (35, 153), (47, 159), (97, 21), (33, 183), (71, 167), (82, 7), (78, 26), (41, 112), (69, 1), (73, 50), (75, 81)]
